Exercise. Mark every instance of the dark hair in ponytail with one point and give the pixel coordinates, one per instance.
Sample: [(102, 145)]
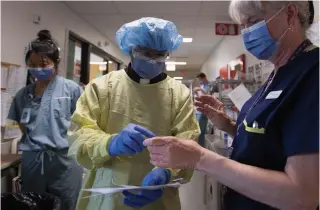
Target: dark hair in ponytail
[(45, 46)]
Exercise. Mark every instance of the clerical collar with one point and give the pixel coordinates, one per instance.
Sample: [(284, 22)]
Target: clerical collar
[(135, 77)]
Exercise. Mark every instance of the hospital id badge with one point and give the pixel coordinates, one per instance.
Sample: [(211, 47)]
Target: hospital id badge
[(25, 117)]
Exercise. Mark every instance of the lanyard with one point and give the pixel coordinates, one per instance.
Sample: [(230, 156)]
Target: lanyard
[(306, 43), (303, 46)]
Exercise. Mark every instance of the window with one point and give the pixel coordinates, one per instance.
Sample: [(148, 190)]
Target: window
[(101, 63), (98, 66), (112, 66), (74, 60), (86, 61)]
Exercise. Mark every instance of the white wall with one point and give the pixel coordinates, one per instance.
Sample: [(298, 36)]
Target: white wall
[(226, 50), (17, 29)]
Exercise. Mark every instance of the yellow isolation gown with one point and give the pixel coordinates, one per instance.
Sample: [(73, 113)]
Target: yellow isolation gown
[(108, 104)]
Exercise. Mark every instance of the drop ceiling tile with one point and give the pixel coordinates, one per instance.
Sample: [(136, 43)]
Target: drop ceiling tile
[(207, 22), (159, 7), (92, 7), (105, 21), (216, 8)]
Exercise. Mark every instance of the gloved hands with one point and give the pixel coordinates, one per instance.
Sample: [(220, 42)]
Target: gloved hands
[(158, 176), (129, 141)]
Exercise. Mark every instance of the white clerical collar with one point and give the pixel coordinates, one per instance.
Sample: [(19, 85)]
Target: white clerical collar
[(144, 81)]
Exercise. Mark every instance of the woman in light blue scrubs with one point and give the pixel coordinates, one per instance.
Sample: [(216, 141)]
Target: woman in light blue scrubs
[(43, 111)]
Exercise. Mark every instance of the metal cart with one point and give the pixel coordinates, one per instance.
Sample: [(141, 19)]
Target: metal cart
[(222, 95)]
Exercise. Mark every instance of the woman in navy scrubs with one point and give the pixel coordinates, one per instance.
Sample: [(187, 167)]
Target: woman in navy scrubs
[(274, 162)]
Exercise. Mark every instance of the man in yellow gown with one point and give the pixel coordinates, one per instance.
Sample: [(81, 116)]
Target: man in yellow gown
[(118, 111)]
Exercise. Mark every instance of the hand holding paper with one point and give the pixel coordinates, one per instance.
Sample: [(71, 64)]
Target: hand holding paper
[(157, 176), (122, 188)]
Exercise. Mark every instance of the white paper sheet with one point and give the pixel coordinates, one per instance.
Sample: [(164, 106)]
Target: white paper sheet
[(16, 80), (5, 105), (12, 132), (239, 96), (4, 77), (11, 129), (129, 187)]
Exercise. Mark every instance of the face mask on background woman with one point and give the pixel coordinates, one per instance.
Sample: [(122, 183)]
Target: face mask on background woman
[(41, 73)]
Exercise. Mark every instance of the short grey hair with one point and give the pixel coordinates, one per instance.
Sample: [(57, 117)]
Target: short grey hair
[(240, 10)]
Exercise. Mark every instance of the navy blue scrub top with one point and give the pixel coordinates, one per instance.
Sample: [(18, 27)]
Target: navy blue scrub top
[(278, 122)]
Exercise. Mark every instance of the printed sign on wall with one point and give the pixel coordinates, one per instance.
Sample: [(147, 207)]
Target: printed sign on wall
[(227, 29)]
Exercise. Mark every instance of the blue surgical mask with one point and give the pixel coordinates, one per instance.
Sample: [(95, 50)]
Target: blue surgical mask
[(258, 40), (147, 69), (41, 73)]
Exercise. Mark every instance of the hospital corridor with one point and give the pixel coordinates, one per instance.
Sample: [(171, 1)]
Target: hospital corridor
[(160, 105)]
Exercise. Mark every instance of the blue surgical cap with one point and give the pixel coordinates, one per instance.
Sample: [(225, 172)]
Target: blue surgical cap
[(153, 33)]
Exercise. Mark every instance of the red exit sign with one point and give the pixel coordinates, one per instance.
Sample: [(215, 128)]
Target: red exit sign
[(227, 29)]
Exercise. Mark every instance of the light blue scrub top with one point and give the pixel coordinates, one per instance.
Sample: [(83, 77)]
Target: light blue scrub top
[(46, 120)]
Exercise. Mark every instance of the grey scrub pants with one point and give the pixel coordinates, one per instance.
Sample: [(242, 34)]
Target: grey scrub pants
[(52, 172), (203, 121)]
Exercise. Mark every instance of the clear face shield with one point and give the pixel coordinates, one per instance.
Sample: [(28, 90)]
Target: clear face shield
[(149, 55)]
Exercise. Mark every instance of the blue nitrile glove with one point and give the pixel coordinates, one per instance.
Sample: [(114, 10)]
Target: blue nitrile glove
[(158, 176), (129, 141)]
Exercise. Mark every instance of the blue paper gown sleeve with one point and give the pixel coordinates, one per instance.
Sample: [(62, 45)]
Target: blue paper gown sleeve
[(300, 129)]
